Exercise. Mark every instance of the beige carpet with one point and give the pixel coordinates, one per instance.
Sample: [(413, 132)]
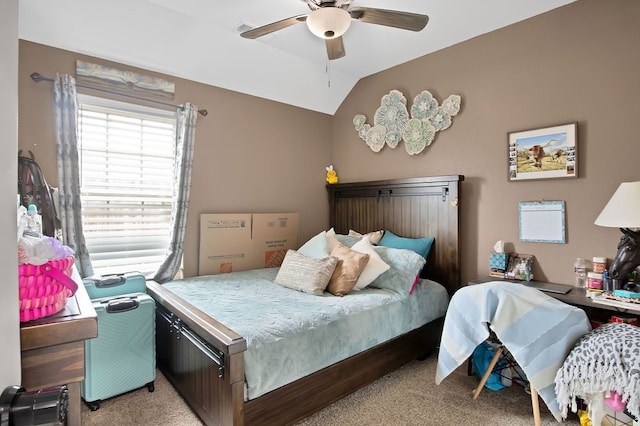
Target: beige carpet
[(408, 396), (161, 407)]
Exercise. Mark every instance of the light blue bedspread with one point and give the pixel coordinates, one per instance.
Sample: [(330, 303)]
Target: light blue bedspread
[(291, 334), (537, 329)]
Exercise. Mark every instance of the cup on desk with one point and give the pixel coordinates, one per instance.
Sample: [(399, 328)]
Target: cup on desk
[(608, 284), (617, 284)]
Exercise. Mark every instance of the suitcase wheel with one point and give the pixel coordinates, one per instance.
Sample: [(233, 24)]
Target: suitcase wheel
[(93, 406), (150, 386)]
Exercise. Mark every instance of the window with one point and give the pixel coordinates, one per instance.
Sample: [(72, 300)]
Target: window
[(126, 155)]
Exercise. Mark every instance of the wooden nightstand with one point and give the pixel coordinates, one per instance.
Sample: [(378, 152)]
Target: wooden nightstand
[(53, 349), (576, 297)]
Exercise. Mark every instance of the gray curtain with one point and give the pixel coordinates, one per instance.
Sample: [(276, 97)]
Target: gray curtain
[(185, 141), (65, 113)]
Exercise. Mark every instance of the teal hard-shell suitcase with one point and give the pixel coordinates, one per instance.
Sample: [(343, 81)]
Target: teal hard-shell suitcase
[(115, 284), (123, 356)]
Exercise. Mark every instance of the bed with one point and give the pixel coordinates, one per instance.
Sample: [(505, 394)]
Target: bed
[(204, 357)]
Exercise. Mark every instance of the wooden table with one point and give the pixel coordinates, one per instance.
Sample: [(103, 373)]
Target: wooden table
[(52, 349)]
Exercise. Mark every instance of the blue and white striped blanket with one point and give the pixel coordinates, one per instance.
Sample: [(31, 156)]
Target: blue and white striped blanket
[(537, 329)]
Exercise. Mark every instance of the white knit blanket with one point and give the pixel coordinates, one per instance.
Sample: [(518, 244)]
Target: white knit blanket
[(606, 359), (537, 329)]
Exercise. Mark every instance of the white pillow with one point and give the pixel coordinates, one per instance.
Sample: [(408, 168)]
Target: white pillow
[(316, 247), (375, 267)]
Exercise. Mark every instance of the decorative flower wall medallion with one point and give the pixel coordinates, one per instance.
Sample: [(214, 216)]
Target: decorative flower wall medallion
[(393, 115), (424, 105), (376, 137), (361, 127), (441, 120), (359, 120), (451, 105), (418, 134), (392, 122)]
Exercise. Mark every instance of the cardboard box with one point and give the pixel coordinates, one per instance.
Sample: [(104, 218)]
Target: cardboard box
[(272, 235), (238, 242)]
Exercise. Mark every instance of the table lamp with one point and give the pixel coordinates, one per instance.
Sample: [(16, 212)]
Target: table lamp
[(623, 211)]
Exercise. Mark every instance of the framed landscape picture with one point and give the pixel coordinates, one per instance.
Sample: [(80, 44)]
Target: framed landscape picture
[(550, 152)]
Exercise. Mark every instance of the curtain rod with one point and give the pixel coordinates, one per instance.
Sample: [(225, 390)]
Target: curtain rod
[(38, 78)]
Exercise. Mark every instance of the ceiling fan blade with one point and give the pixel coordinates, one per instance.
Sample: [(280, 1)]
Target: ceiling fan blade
[(335, 48), (390, 18), (274, 26)]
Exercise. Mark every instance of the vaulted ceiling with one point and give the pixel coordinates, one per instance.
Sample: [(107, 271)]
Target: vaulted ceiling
[(200, 40)]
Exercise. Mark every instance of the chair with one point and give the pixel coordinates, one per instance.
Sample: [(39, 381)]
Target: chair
[(491, 368), (537, 330)]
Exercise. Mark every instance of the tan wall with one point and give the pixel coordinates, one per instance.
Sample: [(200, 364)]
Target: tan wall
[(579, 63), (10, 331), (251, 155)]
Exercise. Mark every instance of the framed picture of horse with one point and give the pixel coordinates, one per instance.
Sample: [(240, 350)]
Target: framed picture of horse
[(545, 153)]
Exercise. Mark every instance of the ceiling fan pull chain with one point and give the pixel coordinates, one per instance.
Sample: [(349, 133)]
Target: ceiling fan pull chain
[(328, 71)]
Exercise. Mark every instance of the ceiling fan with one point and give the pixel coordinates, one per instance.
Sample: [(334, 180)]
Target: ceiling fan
[(330, 19)]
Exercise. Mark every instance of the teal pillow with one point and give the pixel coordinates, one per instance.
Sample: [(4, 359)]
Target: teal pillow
[(419, 245)]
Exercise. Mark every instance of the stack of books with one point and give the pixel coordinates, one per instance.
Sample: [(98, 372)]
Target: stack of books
[(498, 273), (610, 299)]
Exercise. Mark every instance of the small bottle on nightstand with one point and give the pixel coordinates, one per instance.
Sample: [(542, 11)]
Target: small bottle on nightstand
[(580, 271)]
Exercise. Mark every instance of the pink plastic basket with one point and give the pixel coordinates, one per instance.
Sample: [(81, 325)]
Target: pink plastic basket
[(44, 289)]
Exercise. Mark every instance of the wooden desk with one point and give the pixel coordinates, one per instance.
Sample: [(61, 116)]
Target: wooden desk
[(52, 349), (576, 297)]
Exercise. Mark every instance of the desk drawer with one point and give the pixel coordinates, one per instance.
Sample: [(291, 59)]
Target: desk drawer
[(53, 365)]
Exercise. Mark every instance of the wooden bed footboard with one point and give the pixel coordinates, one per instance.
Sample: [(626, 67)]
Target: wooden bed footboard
[(204, 361)]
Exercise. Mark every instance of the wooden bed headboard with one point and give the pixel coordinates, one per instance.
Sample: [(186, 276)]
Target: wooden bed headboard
[(415, 208)]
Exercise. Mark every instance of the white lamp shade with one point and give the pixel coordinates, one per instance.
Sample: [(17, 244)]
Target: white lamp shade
[(329, 22), (623, 209)]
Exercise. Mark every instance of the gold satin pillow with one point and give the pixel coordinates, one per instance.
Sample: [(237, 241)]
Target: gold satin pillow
[(350, 265)]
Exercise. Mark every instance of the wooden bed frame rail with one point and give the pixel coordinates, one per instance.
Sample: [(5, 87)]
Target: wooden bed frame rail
[(204, 360)]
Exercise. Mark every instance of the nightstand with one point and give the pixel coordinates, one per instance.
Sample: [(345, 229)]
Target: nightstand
[(53, 349)]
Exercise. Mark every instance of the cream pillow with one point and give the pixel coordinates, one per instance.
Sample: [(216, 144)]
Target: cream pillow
[(375, 267), (374, 237), (302, 273), (332, 240), (347, 271)]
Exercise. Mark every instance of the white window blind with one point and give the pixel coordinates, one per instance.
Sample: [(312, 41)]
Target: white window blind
[(126, 181)]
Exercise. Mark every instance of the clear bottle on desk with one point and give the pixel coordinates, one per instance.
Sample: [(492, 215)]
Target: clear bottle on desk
[(34, 222), (580, 270)]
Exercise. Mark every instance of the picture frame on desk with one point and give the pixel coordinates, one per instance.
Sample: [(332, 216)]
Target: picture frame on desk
[(519, 267)]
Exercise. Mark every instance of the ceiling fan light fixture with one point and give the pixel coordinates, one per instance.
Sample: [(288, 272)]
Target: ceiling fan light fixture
[(328, 22)]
